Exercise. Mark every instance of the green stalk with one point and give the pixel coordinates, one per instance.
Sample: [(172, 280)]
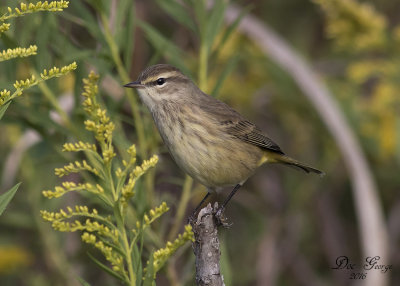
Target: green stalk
[(183, 202), (118, 213), (132, 275), (50, 96), (203, 66)]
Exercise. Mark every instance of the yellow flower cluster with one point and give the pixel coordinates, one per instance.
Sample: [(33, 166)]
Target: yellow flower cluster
[(4, 27), (151, 217), (99, 122), (76, 211), (21, 85), (4, 96), (79, 146), (70, 187), (103, 127), (162, 255), (112, 256), (59, 223), (380, 107), (155, 213), (360, 71), (24, 84), (354, 26), (127, 189), (17, 52), (147, 164), (75, 167), (90, 90), (105, 229), (57, 72), (53, 6)]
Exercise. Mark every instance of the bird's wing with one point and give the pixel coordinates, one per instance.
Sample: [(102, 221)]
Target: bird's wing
[(237, 125), (248, 132)]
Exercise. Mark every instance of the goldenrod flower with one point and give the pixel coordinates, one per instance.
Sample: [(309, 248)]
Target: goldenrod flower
[(354, 26), (162, 255), (53, 6), (17, 52), (21, 85), (4, 27)]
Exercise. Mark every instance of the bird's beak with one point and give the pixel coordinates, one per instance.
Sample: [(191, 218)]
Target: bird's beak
[(134, 84)]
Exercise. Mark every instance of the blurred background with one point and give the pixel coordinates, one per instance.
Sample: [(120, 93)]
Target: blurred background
[(288, 228)]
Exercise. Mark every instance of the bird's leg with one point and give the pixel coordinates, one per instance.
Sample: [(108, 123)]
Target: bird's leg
[(218, 214), (193, 215)]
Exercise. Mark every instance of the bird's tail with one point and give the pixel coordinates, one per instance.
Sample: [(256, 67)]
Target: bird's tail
[(273, 157)]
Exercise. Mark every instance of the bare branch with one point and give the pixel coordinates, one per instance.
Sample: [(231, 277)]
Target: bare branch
[(206, 248)]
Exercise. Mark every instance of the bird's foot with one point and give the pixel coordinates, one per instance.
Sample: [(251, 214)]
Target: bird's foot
[(192, 218), (220, 219)]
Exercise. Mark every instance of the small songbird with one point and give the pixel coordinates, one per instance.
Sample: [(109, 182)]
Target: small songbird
[(208, 139)]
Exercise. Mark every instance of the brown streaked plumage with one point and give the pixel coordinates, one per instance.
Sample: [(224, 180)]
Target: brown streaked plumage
[(208, 139)]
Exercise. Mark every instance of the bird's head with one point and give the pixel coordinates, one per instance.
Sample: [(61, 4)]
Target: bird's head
[(162, 82)]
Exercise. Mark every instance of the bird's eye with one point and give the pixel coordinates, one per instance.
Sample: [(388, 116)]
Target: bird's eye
[(160, 81)]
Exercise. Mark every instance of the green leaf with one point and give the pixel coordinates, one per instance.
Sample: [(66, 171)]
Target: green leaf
[(6, 197), (149, 275), (165, 46), (200, 13), (137, 264), (178, 12), (128, 31), (84, 17), (215, 21), (106, 269), (83, 282), (3, 109), (226, 71), (123, 9), (113, 246), (234, 25)]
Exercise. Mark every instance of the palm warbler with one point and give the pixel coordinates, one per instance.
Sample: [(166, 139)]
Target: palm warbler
[(209, 140)]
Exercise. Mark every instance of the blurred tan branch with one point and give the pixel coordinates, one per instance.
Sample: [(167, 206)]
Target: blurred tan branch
[(373, 231)]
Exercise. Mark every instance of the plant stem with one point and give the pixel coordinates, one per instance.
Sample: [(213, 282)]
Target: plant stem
[(53, 100), (203, 66), (183, 202), (119, 218), (128, 257)]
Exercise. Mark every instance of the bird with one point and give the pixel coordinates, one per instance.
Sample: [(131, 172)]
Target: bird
[(208, 139)]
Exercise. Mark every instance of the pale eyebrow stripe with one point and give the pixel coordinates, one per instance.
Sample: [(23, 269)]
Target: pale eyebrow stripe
[(164, 75)]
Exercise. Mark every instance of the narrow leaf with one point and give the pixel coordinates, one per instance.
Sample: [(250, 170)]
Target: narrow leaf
[(129, 32), (137, 264), (215, 21), (82, 281), (178, 12), (3, 109), (149, 276), (6, 197), (234, 25), (226, 71), (165, 46), (106, 269)]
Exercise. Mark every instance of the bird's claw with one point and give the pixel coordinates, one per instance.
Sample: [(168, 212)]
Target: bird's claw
[(220, 219), (191, 219)]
